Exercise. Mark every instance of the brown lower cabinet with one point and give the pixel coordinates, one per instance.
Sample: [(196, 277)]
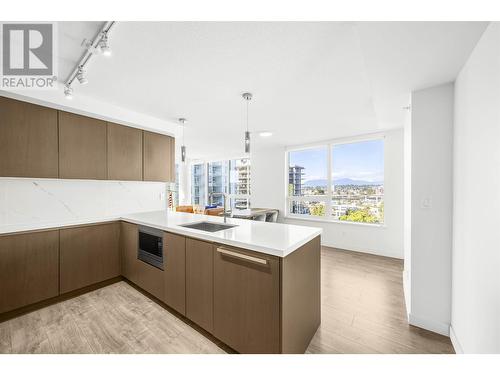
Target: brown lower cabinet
[(29, 268), (149, 278), (175, 271), (89, 255), (247, 300), (199, 283), (253, 302)]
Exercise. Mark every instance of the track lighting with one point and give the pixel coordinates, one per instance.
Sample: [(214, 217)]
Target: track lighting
[(81, 76), (104, 45), (68, 92), (99, 45)]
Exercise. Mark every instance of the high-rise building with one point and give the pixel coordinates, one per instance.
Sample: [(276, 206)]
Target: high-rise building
[(295, 174)]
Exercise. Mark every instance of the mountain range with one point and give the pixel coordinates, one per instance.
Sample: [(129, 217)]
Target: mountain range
[(340, 181)]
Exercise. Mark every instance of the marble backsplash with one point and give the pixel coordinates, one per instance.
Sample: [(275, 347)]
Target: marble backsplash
[(26, 201)]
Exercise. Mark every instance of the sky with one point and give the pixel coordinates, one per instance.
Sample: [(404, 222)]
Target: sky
[(357, 161)]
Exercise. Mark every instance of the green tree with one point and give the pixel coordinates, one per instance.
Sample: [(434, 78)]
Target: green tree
[(359, 216), (317, 209)]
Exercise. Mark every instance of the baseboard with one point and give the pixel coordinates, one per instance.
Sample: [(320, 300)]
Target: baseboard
[(454, 341), (430, 325), (407, 293), (365, 251)]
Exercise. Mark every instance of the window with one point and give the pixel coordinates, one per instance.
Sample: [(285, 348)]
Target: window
[(239, 183), (198, 184), (227, 176), (338, 181)]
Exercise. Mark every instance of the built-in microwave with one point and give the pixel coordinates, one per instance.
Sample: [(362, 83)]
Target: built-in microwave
[(150, 249)]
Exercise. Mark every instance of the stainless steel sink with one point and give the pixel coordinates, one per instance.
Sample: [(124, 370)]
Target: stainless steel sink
[(208, 226)]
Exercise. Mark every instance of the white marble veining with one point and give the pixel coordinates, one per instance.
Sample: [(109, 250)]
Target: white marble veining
[(269, 238), (28, 204)]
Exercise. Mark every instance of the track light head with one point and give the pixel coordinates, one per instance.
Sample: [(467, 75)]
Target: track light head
[(81, 76), (104, 46), (68, 92)]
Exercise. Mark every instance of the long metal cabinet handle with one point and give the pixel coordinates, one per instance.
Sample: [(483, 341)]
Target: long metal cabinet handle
[(241, 256)]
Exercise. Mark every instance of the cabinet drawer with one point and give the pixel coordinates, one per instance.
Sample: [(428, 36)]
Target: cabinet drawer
[(247, 300)]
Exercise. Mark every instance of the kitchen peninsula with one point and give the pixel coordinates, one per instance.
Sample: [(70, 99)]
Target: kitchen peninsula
[(253, 285)]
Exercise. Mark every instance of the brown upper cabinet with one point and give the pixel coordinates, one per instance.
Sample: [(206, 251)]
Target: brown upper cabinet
[(124, 153), (29, 268), (159, 157), (82, 147), (28, 140)]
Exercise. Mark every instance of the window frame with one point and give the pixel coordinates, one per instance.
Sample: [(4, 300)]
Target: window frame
[(327, 198)]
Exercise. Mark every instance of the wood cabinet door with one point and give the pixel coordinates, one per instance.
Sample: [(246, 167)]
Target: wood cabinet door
[(28, 140), (145, 276), (199, 283), (124, 153), (247, 300), (29, 268), (129, 242), (88, 255), (82, 147), (159, 163), (174, 249)]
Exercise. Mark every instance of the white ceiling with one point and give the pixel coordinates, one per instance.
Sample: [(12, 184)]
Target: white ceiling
[(311, 80)]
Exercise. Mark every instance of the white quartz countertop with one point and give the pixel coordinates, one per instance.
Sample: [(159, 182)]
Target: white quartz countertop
[(269, 238)]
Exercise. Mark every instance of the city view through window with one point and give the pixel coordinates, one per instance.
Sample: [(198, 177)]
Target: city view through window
[(353, 189), (227, 176)]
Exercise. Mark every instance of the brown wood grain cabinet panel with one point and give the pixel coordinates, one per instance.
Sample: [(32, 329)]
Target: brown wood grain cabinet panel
[(28, 140), (124, 153), (247, 301), (151, 279), (82, 147), (129, 239), (175, 271), (88, 255), (143, 275), (301, 296), (199, 283), (29, 268), (159, 165)]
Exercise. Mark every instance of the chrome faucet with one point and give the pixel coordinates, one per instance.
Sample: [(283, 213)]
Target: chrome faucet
[(224, 196)]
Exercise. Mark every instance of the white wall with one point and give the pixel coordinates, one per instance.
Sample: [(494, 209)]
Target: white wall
[(431, 207), (407, 212), (268, 190), (475, 317)]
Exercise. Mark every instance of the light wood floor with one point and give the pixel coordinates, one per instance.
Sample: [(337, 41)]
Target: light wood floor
[(363, 311)]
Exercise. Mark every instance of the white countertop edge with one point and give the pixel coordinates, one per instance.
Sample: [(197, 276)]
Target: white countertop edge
[(19, 228), (207, 237)]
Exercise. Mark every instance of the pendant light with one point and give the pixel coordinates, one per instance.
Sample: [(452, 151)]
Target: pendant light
[(247, 96), (183, 147)]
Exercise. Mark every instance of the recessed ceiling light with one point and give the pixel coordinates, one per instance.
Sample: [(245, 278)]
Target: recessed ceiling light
[(265, 134)]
